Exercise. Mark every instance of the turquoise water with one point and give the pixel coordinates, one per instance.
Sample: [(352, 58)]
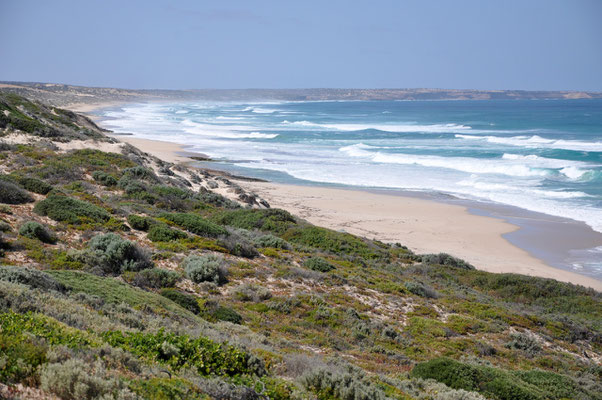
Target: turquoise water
[(543, 156)]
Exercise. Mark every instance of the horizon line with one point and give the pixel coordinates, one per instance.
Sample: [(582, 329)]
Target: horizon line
[(309, 88)]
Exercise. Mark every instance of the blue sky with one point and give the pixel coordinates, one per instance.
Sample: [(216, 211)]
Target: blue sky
[(480, 44)]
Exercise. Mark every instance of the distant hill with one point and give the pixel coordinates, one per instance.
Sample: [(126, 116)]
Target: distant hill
[(65, 95)]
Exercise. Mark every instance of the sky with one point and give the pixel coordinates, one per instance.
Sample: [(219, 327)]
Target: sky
[(152, 44)]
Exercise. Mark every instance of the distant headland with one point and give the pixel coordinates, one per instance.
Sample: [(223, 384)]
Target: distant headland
[(64, 95)]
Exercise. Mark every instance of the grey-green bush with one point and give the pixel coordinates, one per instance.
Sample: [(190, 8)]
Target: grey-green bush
[(139, 172), (156, 278), (33, 185), (31, 277), (445, 259), (207, 268), (5, 227), (422, 290), (35, 230), (238, 246), (524, 342), (318, 264), (104, 179), (13, 194), (350, 383), (74, 379), (271, 241), (113, 255), (252, 292)]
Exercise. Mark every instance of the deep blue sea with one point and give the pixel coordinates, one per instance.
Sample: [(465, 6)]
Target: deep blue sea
[(543, 156)]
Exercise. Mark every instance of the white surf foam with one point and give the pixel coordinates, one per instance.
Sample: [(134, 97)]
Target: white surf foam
[(464, 164), (223, 131), (373, 175), (537, 142), (395, 128), (221, 117)]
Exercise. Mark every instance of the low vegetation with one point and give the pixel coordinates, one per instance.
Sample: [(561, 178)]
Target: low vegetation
[(35, 230), (125, 277), (69, 210), (12, 194)]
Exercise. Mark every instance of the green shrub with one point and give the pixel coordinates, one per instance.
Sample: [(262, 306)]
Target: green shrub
[(186, 301), (195, 224), (557, 386), (271, 241), (156, 278), (433, 390), (70, 210), (318, 264), (166, 192), (178, 351), (5, 227), (12, 194), (34, 185), (445, 259), (422, 290), (238, 246), (207, 268), (35, 230), (104, 179), (112, 254), (499, 384), (215, 199), (115, 292), (140, 223), (165, 389), (139, 172), (162, 233), (271, 220), (42, 326), (333, 242), (139, 191), (222, 313), (30, 277), (553, 295), (20, 357)]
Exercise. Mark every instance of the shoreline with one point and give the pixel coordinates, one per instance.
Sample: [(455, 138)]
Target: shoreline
[(429, 225), (425, 226)]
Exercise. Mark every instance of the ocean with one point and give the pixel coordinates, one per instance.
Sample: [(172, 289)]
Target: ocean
[(539, 155)]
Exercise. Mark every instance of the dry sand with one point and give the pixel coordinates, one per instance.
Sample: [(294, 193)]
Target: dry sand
[(166, 151), (424, 226)]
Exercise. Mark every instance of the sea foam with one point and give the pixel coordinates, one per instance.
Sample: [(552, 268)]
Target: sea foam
[(538, 142)]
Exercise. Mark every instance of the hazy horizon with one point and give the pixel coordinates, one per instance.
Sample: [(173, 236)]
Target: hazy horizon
[(300, 88), (465, 45)]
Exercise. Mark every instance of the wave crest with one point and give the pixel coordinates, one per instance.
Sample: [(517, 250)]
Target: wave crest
[(538, 142)]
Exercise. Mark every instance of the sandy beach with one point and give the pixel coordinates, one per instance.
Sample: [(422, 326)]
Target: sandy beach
[(425, 226)]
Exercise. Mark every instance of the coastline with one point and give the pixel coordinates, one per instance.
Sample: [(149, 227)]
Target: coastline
[(425, 226)]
